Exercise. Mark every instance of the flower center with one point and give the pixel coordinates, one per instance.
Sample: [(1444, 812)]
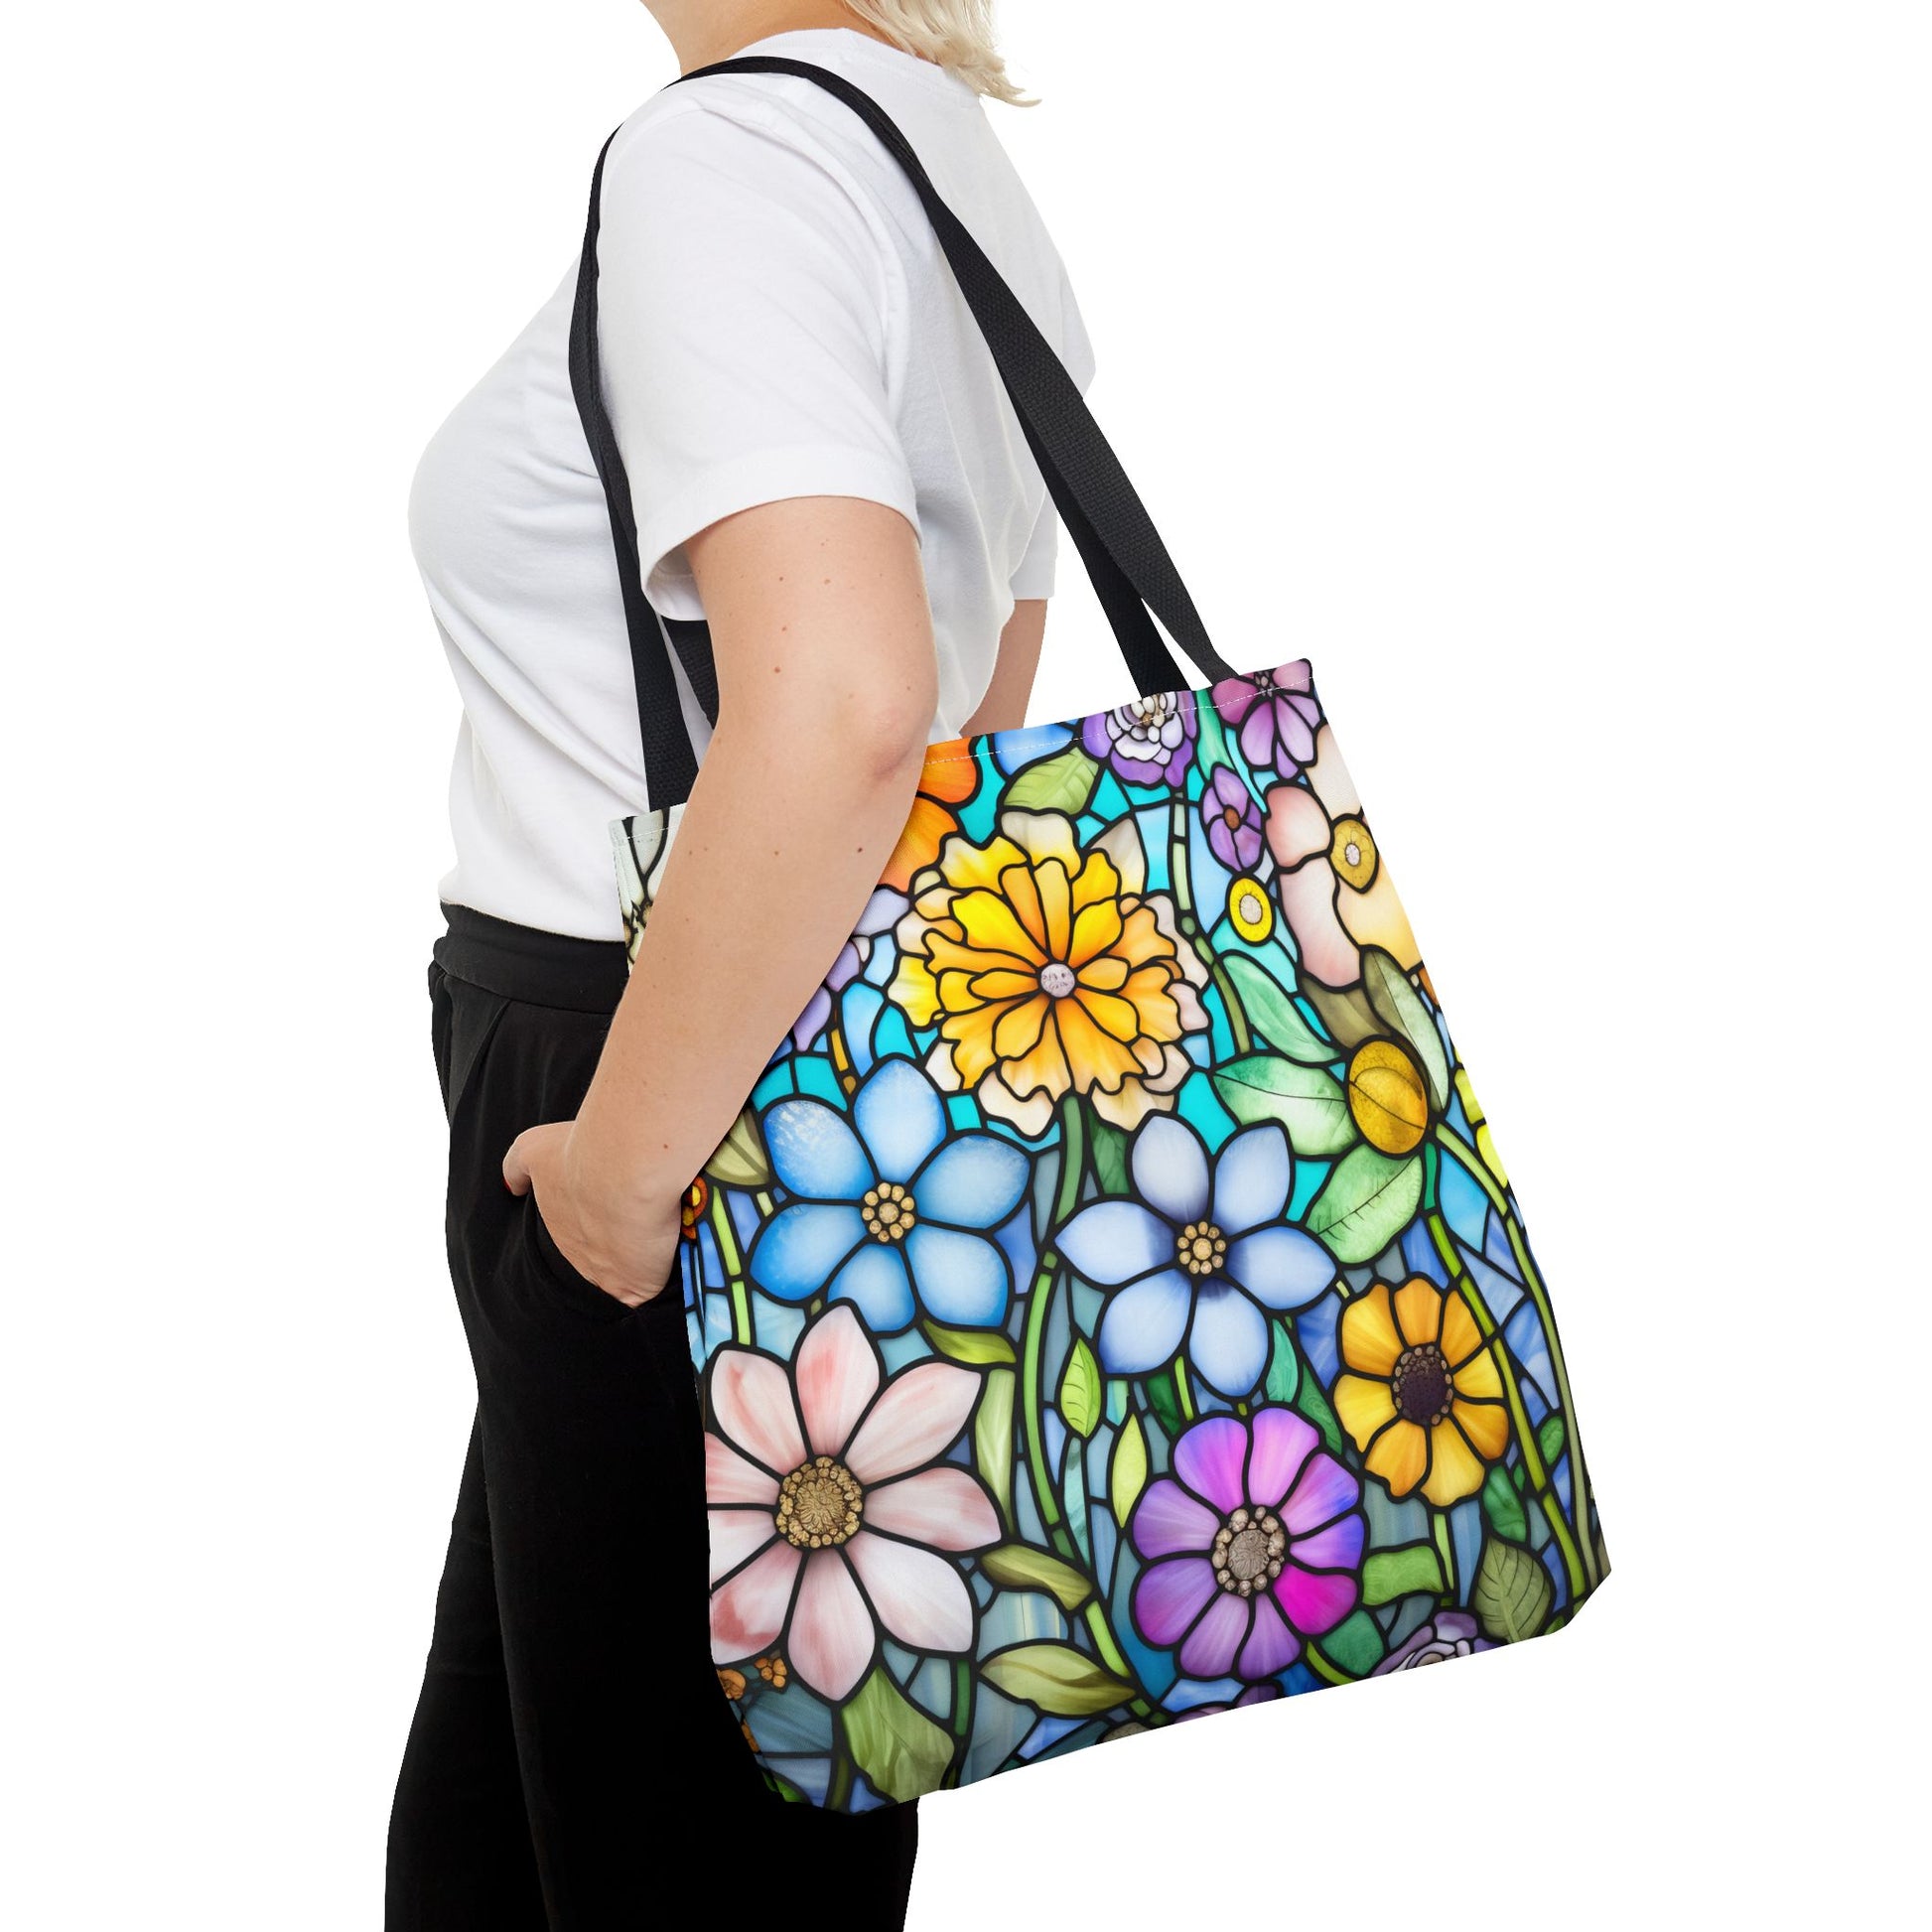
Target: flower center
[(1265, 683), (1423, 1387), (1056, 980), (889, 1211), (1252, 906), (1201, 1248), (1231, 817), (1352, 853), (1249, 1549), (819, 1505)]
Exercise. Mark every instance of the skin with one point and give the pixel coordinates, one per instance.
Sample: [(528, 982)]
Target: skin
[(827, 687)]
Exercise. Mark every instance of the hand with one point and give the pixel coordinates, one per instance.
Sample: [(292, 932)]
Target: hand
[(623, 1241)]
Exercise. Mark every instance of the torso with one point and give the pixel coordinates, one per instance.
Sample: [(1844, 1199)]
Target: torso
[(510, 523)]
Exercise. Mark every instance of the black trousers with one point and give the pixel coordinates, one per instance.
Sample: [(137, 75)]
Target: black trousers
[(574, 1764)]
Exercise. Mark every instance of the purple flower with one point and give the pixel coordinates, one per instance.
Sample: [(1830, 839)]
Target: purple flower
[(1279, 715), (882, 911), (1199, 1251), (1450, 1633), (1233, 820), (1147, 742), (1253, 1545)]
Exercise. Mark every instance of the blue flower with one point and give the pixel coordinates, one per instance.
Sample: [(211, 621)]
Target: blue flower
[(1199, 1255), (893, 1216)]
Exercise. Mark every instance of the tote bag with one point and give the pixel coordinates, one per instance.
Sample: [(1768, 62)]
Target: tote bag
[(1110, 1306)]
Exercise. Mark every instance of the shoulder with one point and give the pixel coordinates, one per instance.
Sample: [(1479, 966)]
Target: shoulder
[(720, 149)]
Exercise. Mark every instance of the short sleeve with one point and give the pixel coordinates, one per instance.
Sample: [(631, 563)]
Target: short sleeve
[(745, 321)]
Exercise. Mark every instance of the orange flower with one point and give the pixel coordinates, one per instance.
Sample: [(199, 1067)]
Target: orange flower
[(950, 778), (1422, 1401), (1048, 969), (697, 1198)]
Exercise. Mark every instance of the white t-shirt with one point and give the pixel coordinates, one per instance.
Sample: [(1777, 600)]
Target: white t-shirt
[(776, 321)]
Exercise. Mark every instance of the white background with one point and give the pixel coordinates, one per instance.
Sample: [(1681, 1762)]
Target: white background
[(1555, 375)]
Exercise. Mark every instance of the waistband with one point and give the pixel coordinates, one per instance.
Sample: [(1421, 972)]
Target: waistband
[(541, 969)]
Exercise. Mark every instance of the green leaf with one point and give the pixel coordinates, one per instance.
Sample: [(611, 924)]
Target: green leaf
[(1369, 1199), (1056, 1679), (1080, 1394), (1108, 1146), (741, 1160), (1283, 1367), (1401, 1010), (902, 1751), (992, 1439), (1550, 1439), (1127, 1473), (1512, 1592), (1389, 1574), (977, 1347), (1312, 1402), (784, 1787), (1062, 784), (1017, 1565), (1503, 1508), (1275, 1014), (1311, 1104), (1165, 1403), (1349, 1016), (1354, 1646)]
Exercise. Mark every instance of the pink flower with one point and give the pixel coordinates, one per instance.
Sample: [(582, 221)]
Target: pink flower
[(1253, 1545), (1278, 713), (828, 1500), (1334, 890)]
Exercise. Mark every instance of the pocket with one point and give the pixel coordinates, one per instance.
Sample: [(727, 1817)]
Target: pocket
[(553, 1266)]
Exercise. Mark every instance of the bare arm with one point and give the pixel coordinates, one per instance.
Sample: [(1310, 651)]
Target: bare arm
[(827, 685), (1004, 708)]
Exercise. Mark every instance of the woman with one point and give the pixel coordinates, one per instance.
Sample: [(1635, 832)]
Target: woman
[(824, 468)]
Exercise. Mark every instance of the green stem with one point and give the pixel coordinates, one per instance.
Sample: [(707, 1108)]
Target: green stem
[(1445, 1550), (1323, 1668), (721, 1227), (1471, 1163), (838, 1793), (962, 1721), (1533, 1464), (1073, 1163), (1183, 1392), (1181, 881)]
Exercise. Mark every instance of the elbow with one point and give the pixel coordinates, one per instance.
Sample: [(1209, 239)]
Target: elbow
[(886, 735)]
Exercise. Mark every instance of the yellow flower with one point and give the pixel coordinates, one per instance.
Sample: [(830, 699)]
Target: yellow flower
[(1424, 1403), (1049, 971), (1248, 909), (1388, 1096)]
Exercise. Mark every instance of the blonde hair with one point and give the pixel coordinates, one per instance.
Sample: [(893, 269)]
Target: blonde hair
[(957, 34)]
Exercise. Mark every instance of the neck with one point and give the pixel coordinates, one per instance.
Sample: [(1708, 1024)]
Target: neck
[(703, 31)]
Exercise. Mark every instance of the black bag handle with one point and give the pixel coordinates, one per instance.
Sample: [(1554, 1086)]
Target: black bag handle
[(1133, 573)]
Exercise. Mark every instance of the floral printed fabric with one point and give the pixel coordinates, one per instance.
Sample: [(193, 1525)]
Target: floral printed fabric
[(1111, 1306)]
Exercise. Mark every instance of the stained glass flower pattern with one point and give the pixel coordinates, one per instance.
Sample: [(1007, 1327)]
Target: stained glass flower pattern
[(887, 1212), (1254, 1545), (1422, 1396), (1201, 1254), (832, 1519), (1112, 1309), (1047, 970)]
